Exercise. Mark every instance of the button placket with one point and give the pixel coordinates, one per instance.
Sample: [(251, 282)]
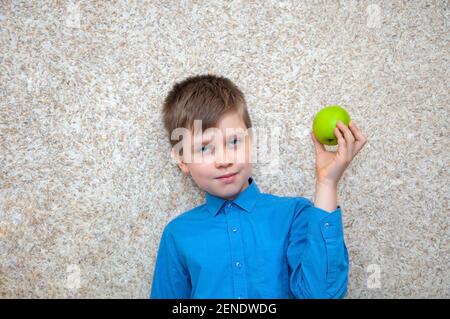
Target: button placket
[(237, 252)]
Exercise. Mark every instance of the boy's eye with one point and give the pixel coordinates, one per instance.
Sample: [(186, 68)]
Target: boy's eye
[(208, 148), (235, 141), (205, 149)]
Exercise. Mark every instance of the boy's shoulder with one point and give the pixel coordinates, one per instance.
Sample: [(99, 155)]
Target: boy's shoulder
[(268, 198), (193, 214)]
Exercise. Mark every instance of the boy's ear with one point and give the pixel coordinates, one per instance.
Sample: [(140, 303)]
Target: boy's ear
[(179, 160)]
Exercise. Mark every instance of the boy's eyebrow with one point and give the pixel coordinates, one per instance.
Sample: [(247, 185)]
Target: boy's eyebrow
[(204, 140)]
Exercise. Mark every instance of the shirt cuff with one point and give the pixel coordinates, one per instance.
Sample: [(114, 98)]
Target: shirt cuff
[(326, 225)]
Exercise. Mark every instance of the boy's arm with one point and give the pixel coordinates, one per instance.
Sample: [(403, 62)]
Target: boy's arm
[(317, 254), (170, 279), (325, 196)]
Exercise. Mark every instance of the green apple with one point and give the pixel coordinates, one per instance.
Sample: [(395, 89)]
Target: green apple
[(325, 122)]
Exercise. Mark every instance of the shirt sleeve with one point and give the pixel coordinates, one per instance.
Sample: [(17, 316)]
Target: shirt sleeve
[(317, 255), (171, 278)]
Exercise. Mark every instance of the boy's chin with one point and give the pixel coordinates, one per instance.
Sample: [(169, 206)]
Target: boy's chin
[(231, 191)]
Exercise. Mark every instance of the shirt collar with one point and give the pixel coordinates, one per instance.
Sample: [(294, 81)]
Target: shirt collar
[(246, 199)]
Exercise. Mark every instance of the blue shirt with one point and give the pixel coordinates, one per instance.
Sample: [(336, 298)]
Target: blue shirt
[(256, 246)]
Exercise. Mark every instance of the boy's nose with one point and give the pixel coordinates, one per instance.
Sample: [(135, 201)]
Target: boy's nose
[(223, 159)]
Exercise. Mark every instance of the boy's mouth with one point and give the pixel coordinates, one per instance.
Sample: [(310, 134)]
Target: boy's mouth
[(226, 175)]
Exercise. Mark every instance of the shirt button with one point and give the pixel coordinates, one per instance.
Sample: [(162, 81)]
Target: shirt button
[(327, 225), (234, 229), (239, 297), (237, 264)]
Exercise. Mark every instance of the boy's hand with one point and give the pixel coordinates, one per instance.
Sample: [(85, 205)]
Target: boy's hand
[(331, 165)]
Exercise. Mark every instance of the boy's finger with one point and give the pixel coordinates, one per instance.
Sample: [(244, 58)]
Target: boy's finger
[(318, 146), (360, 139), (349, 138), (356, 133), (342, 150)]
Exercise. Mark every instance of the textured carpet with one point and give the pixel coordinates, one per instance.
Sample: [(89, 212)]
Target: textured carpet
[(86, 181)]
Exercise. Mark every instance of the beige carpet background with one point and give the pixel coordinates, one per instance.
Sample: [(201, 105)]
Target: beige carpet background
[(86, 181)]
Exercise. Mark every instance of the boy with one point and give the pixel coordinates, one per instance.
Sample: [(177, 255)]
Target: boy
[(242, 243)]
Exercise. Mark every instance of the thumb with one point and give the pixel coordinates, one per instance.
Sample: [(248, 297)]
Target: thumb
[(318, 146)]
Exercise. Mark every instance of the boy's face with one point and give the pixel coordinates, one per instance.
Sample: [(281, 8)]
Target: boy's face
[(222, 150)]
